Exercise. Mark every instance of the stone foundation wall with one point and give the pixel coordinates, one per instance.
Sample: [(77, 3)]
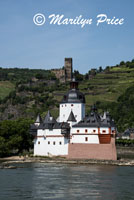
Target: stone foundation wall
[(93, 151)]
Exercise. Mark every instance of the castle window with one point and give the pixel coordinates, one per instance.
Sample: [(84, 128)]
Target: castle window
[(78, 131), (53, 143), (94, 131), (60, 143), (48, 142), (85, 130), (86, 139), (103, 131), (38, 142), (72, 104)]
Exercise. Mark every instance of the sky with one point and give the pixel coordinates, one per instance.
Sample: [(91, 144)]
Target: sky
[(24, 44)]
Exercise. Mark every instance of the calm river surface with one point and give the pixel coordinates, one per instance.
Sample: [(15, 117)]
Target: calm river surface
[(58, 181)]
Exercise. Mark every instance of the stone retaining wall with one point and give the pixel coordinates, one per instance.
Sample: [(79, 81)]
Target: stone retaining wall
[(93, 151)]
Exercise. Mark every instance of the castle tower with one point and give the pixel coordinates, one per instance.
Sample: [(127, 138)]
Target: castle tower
[(73, 101), (68, 69)]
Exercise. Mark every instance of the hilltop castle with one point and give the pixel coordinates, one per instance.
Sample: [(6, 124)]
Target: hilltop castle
[(64, 74), (73, 134)]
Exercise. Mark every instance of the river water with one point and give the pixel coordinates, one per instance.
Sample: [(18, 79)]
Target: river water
[(39, 181)]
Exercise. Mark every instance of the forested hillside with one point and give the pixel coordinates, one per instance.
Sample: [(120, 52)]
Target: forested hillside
[(26, 92)]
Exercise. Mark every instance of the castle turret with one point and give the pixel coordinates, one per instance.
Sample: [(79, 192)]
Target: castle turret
[(74, 101), (71, 119), (38, 120)]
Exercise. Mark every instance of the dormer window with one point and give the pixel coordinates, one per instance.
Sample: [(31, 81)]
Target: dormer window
[(93, 121)]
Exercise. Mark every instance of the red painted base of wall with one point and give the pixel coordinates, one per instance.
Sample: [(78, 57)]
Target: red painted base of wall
[(93, 151)]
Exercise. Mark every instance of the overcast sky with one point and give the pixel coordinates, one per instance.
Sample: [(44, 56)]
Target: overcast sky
[(24, 44)]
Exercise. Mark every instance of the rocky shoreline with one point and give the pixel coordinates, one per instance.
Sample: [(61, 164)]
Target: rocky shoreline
[(125, 158), (7, 163)]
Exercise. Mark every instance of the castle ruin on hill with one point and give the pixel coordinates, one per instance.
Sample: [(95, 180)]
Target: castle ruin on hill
[(64, 74)]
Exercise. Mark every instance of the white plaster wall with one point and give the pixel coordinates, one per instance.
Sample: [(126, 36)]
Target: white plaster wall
[(91, 130), (48, 132), (92, 139), (45, 149), (82, 130), (78, 109)]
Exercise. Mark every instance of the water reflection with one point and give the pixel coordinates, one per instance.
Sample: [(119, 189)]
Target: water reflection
[(56, 181), (70, 182)]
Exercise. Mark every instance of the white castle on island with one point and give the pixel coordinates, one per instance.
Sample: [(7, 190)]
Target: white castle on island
[(74, 135)]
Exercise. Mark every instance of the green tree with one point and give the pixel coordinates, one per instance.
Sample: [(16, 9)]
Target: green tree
[(14, 136)]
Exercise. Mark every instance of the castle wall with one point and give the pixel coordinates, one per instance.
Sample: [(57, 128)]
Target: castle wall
[(85, 139), (93, 151), (78, 110), (84, 130), (50, 142), (92, 130), (49, 132), (51, 145), (60, 74)]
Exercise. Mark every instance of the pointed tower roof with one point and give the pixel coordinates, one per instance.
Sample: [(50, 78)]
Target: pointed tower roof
[(38, 119), (71, 117), (49, 118)]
